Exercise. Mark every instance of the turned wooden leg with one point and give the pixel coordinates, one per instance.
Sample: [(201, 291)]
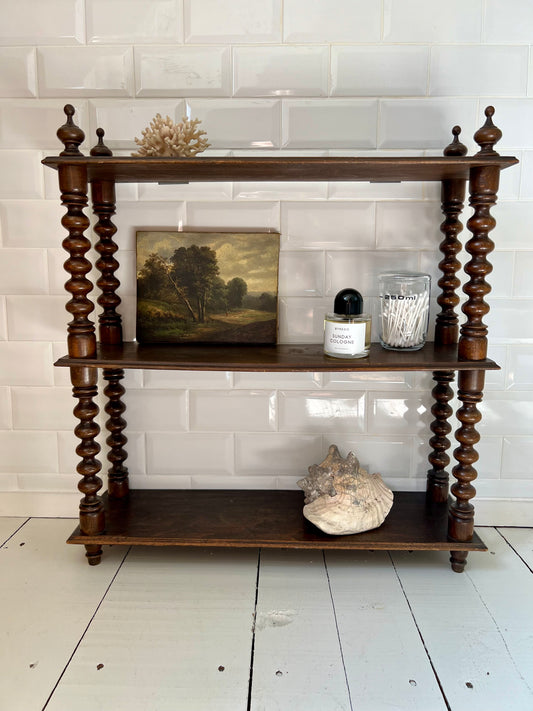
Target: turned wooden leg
[(437, 481), (484, 183), (110, 322), (81, 340), (118, 473), (452, 203), (461, 513), (92, 518)]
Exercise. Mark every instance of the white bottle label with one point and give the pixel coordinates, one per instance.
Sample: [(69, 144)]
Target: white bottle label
[(344, 338)]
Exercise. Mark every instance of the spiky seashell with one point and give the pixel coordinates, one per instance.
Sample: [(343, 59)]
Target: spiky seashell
[(165, 138), (342, 498)]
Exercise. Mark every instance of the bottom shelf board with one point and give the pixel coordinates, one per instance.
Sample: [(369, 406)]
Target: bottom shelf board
[(272, 519)]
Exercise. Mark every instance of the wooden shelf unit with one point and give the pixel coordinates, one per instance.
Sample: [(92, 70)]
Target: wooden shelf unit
[(432, 520)]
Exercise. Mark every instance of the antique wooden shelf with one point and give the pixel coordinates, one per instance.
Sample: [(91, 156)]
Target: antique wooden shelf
[(270, 519), (442, 518), (282, 358), (374, 170)]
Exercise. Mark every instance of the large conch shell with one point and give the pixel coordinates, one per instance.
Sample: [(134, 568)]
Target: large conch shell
[(165, 138), (342, 498)]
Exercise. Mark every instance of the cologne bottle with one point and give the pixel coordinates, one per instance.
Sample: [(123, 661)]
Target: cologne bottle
[(347, 330)]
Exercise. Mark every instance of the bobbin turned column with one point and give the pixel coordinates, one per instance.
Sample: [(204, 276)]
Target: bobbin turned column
[(81, 333), (92, 518), (447, 328), (473, 339), (110, 323)]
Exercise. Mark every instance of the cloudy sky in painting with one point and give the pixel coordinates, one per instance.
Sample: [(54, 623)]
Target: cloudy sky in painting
[(251, 256)]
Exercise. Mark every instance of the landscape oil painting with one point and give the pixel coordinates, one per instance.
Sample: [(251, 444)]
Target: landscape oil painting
[(207, 287)]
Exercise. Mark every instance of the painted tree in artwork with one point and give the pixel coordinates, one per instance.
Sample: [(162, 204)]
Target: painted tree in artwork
[(152, 278), (237, 290), (193, 272)]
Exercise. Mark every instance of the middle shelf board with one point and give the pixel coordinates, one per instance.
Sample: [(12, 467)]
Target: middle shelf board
[(279, 358)]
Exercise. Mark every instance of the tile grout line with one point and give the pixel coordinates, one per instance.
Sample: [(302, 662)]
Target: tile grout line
[(86, 629), (513, 548), (449, 708), (252, 651), (337, 629)]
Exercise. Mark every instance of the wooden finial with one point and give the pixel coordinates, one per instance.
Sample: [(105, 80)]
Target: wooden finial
[(101, 149), (69, 134), (456, 148), (488, 135)]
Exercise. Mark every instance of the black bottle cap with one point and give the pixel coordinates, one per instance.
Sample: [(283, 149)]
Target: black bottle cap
[(348, 302)]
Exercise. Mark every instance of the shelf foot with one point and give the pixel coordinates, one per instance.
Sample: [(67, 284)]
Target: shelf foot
[(93, 553), (458, 560)]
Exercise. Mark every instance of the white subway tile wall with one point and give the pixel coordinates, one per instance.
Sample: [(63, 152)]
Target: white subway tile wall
[(281, 71), (18, 71), (124, 119), (85, 71), (183, 71), (332, 77), (134, 21), (21, 175), (379, 70)]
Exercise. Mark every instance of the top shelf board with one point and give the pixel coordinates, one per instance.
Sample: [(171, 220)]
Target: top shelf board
[(183, 170)]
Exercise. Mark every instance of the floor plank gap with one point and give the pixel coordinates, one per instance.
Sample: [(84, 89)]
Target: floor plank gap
[(337, 630), (6, 533), (420, 635), (250, 682), (507, 538), (86, 628)]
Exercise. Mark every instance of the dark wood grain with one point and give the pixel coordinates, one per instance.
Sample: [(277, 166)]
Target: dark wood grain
[(299, 357), (84, 382), (452, 200), (116, 441), (437, 481), (461, 514), (165, 170), (483, 193), (110, 321), (248, 518), (81, 337)]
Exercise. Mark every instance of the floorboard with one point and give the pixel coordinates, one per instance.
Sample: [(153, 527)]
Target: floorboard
[(297, 658), (464, 641), (173, 634), (161, 629), (505, 585), (384, 657), (48, 595)]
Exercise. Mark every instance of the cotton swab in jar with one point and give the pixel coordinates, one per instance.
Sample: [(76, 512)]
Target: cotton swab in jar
[(403, 321)]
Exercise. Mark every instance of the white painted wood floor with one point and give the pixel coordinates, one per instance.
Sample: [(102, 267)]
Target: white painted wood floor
[(173, 629)]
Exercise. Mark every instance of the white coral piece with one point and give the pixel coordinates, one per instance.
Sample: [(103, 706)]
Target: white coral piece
[(165, 138)]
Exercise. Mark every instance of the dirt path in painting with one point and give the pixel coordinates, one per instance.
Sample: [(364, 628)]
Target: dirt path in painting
[(233, 330)]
